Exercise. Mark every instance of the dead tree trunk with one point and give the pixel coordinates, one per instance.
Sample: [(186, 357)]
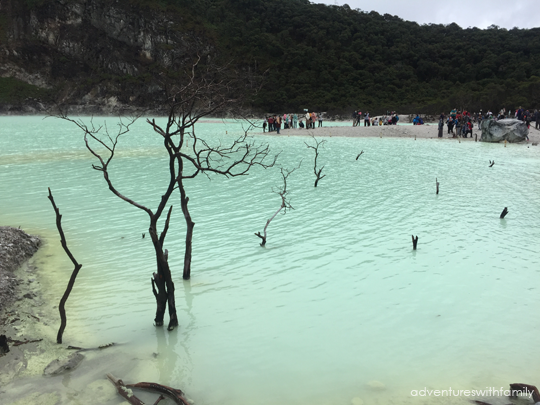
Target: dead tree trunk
[(71, 283), (102, 145), (184, 199), (284, 202), (318, 175), (504, 212), (263, 237), (414, 242)]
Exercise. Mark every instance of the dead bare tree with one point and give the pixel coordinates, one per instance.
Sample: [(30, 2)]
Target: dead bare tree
[(316, 149), (207, 88), (192, 92), (102, 144), (71, 283), (285, 204)]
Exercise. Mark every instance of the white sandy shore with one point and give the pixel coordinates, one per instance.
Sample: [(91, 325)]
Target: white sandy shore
[(395, 131)]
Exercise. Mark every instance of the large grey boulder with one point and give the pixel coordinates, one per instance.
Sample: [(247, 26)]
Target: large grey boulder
[(509, 129)]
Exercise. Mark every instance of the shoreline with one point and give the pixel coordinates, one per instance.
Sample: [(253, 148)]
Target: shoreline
[(426, 131)]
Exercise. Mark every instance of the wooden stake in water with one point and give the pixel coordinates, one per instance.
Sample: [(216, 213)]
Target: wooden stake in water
[(437, 185)]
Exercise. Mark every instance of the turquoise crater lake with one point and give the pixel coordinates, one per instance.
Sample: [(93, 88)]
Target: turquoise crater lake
[(336, 309)]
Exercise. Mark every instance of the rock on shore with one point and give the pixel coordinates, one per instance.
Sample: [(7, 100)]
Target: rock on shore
[(16, 247)]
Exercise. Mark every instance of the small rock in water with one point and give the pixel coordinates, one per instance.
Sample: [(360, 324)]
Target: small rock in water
[(58, 366), (376, 385), (357, 401)]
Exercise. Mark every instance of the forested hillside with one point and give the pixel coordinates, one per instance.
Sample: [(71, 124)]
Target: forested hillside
[(333, 58)]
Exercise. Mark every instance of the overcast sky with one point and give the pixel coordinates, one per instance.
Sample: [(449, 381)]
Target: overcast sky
[(466, 13)]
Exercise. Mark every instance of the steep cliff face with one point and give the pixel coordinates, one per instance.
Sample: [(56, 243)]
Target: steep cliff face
[(98, 56)]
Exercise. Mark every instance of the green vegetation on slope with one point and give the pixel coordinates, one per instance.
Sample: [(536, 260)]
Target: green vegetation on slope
[(15, 91), (333, 58)]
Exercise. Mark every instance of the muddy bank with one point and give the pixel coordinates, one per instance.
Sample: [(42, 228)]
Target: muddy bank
[(16, 247)]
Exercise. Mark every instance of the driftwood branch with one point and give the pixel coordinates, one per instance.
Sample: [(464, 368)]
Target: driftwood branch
[(124, 392), (360, 154), (491, 163), (176, 395), (71, 283), (504, 212), (437, 185)]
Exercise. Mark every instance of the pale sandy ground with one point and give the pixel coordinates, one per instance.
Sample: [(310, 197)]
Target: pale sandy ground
[(425, 131)]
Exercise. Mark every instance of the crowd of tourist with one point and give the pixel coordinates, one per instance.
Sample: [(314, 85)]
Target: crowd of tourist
[(307, 120), (388, 119), (463, 121), (459, 123)]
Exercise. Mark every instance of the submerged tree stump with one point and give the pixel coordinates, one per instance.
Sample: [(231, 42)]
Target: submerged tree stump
[(414, 242)]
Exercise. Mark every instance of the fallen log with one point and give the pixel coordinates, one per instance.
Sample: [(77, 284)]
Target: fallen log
[(125, 390), (176, 395)]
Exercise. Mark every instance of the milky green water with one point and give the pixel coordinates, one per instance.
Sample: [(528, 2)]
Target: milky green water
[(337, 309)]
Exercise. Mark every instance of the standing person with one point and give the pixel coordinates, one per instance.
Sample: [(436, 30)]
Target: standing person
[(469, 128), (366, 119), (265, 123), (520, 114), (277, 123), (270, 124), (441, 126), (450, 123), (320, 120), (458, 128), (308, 120), (536, 119), (295, 121), (355, 118)]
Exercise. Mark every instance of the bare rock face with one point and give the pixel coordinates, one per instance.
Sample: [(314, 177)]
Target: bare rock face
[(16, 247), (58, 366), (511, 130), (72, 45)]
